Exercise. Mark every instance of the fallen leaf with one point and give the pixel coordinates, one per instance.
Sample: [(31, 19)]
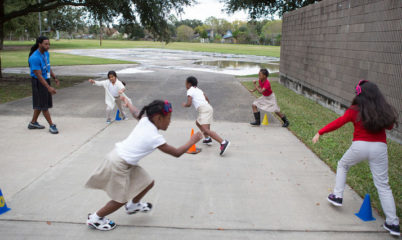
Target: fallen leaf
[(220, 229), (211, 212), (318, 204), (48, 223)]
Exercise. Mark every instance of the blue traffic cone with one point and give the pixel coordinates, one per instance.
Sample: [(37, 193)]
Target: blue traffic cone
[(118, 116), (365, 213), (3, 205)]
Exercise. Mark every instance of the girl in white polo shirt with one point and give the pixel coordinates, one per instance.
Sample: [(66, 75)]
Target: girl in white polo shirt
[(121, 177), (196, 97), (113, 89)]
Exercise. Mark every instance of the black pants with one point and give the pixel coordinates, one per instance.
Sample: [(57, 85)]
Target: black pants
[(41, 97)]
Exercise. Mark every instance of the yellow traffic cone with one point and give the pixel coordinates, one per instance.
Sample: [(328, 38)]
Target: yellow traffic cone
[(265, 120)]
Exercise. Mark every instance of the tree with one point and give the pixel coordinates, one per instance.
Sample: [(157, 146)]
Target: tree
[(22, 27), (260, 8), (202, 31), (133, 30), (271, 30), (184, 33), (218, 25), (152, 14), (193, 23), (67, 19)]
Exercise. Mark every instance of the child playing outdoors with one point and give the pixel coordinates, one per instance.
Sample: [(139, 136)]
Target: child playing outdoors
[(196, 97), (267, 101), (113, 89), (121, 177), (370, 115)]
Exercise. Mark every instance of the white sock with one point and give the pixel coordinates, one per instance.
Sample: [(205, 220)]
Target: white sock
[(95, 216), (207, 138), (130, 204), (223, 142)]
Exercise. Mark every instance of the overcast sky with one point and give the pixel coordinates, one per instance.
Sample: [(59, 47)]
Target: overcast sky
[(207, 8)]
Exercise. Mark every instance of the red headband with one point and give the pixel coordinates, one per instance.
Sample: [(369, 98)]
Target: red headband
[(358, 87)]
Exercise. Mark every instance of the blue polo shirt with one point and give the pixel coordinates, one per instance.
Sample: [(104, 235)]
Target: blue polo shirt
[(39, 61)]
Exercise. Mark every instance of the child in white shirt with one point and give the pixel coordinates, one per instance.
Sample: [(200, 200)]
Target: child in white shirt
[(196, 97), (113, 89), (121, 177)]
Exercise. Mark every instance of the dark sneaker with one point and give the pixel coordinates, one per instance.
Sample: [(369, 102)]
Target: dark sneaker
[(224, 147), (207, 141), (53, 129), (108, 121), (334, 200), (392, 229), (285, 122), (35, 125)]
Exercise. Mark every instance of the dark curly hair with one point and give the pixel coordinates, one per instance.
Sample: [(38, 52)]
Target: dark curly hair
[(193, 81)]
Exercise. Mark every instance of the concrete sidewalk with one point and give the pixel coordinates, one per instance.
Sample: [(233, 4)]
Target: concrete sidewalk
[(268, 185)]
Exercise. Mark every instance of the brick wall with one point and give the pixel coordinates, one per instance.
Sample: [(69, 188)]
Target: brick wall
[(328, 47)]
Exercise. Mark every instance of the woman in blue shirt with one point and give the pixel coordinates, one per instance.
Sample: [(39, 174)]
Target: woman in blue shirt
[(42, 90)]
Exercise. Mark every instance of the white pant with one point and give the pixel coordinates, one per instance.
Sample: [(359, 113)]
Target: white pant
[(377, 155), (109, 110)]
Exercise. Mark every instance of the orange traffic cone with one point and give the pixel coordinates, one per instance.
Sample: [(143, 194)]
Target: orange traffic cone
[(193, 149)]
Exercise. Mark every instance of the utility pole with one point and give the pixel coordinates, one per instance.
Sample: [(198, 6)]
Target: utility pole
[(100, 36)]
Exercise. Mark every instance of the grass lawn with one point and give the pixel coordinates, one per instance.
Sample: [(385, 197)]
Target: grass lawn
[(20, 59), (276, 75), (16, 86), (307, 117), (273, 51)]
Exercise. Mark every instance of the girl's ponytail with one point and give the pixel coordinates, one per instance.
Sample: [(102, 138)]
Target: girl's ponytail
[(156, 107), (142, 112)]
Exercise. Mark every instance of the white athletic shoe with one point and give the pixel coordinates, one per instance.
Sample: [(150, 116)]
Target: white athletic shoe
[(102, 224), (138, 207)]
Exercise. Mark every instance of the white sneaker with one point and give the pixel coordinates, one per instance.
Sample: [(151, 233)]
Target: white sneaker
[(102, 224), (138, 207)]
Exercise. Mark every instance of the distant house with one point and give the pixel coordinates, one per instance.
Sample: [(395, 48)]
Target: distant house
[(228, 37), (114, 33)]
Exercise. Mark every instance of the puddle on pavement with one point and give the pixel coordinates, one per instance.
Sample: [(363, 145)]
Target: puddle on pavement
[(133, 70), (238, 67)]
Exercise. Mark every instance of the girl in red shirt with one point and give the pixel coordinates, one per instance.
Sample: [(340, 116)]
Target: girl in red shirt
[(267, 101), (371, 115)]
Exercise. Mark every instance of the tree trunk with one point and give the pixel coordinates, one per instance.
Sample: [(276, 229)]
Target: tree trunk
[(1, 32)]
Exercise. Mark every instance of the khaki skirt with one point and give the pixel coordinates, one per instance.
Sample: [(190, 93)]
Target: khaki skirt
[(120, 180), (205, 114), (267, 103)]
